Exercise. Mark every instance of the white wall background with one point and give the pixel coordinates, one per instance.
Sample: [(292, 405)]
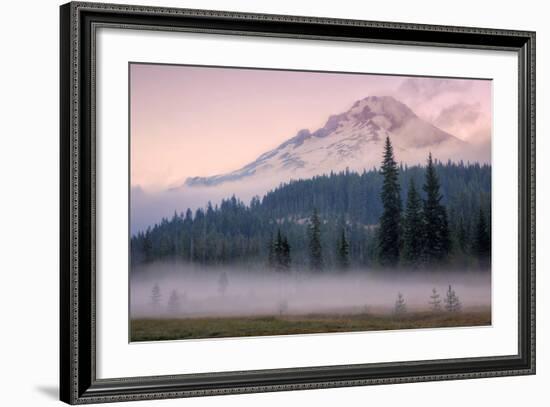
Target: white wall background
[(29, 162)]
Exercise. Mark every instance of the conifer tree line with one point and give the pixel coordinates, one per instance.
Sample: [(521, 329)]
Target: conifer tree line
[(421, 236), (279, 253), (398, 216)]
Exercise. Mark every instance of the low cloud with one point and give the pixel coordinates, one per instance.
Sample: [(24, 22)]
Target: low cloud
[(459, 113), (428, 89)]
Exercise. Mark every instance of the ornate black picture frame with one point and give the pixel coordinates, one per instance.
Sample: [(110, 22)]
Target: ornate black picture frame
[(78, 381)]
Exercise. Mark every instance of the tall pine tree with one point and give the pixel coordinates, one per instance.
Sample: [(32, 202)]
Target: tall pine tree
[(285, 254), (279, 253), (147, 246), (271, 256), (412, 225), (343, 251), (315, 248), (436, 228), (482, 240), (462, 236), (389, 231)]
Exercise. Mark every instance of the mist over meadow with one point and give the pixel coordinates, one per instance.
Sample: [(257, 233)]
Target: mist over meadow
[(183, 290), (402, 247)]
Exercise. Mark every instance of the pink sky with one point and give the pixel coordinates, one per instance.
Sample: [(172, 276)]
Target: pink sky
[(200, 121)]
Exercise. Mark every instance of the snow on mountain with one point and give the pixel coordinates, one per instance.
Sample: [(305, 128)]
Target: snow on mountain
[(353, 139)]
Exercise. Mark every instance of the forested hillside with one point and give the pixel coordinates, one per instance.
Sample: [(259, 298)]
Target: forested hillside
[(338, 213)]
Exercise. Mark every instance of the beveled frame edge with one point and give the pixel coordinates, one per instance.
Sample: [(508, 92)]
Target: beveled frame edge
[(78, 383)]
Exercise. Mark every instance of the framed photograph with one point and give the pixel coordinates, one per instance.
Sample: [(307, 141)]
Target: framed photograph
[(255, 203)]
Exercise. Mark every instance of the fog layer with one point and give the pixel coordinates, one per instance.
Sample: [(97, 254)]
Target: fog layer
[(185, 291)]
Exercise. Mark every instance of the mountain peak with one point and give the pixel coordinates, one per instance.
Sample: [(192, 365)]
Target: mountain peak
[(352, 139), (384, 111), (395, 111)]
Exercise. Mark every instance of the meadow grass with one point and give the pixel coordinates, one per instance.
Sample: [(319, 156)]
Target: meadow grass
[(197, 328)]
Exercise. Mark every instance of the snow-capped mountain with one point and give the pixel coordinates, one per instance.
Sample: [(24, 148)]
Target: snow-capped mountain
[(353, 139)]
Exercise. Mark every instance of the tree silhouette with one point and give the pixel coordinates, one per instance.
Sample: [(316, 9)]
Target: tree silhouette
[(343, 251), (412, 227), (462, 236), (400, 306), (279, 253), (271, 257), (174, 304), (285, 259), (147, 246), (435, 301), (155, 297), (436, 229), (389, 231), (482, 240), (315, 247), (285, 256), (452, 302)]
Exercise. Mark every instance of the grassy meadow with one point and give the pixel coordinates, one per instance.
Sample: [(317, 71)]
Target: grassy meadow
[(147, 329)]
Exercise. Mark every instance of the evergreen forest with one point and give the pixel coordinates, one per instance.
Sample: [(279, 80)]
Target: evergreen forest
[(431, 216)]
